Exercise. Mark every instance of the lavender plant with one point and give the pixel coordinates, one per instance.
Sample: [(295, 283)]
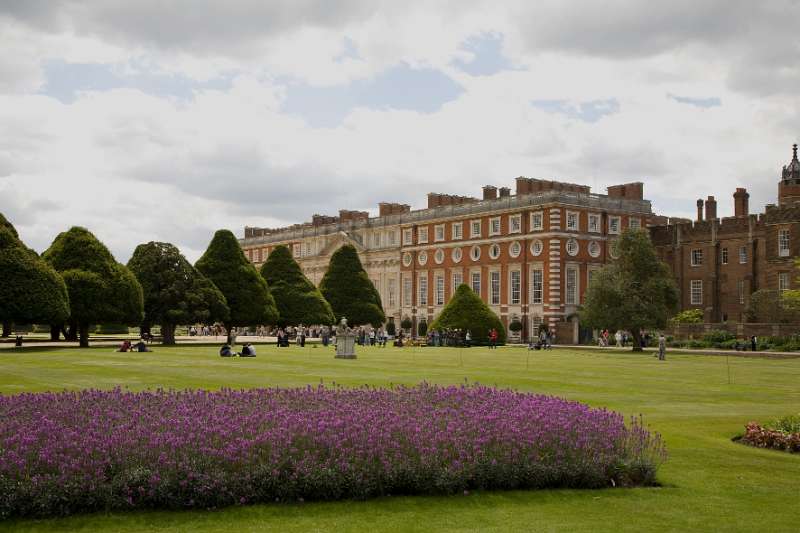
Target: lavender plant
[(69, 452)]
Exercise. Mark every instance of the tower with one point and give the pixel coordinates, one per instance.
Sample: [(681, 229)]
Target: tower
[(789, 187)]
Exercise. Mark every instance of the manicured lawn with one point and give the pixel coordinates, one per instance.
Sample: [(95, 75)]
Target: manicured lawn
[(709, 483)]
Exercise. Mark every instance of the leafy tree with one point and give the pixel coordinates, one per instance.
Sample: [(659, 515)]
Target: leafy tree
[(391, 329), (772, 306), (422, 328), (100, 289), (175, 292), (467, 312), (349, 291), (634, 292), (689, 316), (31, 290), (247, 293), (297, 299), (406, 323)]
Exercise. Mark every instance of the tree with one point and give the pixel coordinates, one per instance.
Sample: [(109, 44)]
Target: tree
[(349, 291), (247, 293), (467, 312), (100, 289), (689, 316), (297, 299), (634, 292), (31, 290), (422, 328), (174, 291), (406, 323), (773, 307)]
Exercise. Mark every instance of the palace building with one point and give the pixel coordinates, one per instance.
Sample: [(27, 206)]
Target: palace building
[(530, 254)]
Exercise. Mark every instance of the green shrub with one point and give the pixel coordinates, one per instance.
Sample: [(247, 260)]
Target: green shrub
[(112, 329), (690, 316), (422, 328), (515, 326), (786, 424), (406, 323), (390, 328), (467, 312), (717, 336)]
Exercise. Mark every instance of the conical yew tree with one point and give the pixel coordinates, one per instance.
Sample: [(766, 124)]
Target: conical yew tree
[(246, 292), (467, 312), (100, 289), (349, 291), (175, 292), (31, 290), (297, 299)]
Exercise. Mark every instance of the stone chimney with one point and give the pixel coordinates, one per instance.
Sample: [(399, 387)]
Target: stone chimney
[(489, 192), (700, 210), (711, 208), (741, 201), (505, 192)]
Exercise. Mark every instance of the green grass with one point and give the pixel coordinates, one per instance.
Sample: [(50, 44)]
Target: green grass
[(709, 483)]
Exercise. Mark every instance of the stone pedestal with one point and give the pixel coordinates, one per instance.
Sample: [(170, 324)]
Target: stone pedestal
[(346, 346)]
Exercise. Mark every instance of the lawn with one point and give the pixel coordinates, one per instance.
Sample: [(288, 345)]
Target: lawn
[(709, 482)]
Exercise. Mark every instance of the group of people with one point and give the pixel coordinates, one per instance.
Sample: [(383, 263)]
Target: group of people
[(140, 346), (449, 337), (248, 350), (542, 341)]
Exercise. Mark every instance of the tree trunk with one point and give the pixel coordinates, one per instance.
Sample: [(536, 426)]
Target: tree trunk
[(6, 329), (55, 332), (84, 335), (168, 334), (71, 334), (229, 331), (637, 340)]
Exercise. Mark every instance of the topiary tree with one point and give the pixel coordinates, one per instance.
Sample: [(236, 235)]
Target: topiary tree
[(349, 291), (515, 326), (422, 328), (175, 292), (31, 290), (634, 292), (390, 328), (297, 299), (406, 323), (100, 289), (467, 312), (246, 292)]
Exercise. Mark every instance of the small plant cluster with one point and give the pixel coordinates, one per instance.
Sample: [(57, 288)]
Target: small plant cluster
[(724, 340), (69, 452), (781, 434)]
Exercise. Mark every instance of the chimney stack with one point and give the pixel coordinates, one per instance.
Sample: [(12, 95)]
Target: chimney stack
[(489, 192), (700, 210), (711, 208), (505, 192), (741, 202)]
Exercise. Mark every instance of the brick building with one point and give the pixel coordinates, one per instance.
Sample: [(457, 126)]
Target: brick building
[(719, 263), (530, 254)]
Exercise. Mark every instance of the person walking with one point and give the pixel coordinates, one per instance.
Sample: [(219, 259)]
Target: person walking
[(468, 339), (618, 338), (662, 347), (493, 338), (753, 343)]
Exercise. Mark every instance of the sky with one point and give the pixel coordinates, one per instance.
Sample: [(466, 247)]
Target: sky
[(165, 121)]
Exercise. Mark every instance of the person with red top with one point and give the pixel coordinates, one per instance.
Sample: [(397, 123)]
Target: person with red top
[(493, 338)]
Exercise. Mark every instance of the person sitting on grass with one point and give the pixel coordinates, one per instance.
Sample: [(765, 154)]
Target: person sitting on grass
[(226, 351), (248, 350), (125, 346), (140, 347)]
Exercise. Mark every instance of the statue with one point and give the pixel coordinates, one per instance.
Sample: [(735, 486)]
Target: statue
[(345, 341)]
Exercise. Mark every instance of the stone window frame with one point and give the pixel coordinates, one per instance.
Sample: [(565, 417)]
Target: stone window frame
[(696, 257), (472, 233), (512, 246), (740, 289), (437, 278), (407, 259), (724, 256), (438, 256), (498, 221), (577, 215), (511, 299), (569, 244), (696, 289), (456, 255), (784, 243), (460, 235), (472, 280), (408, 291), (515, 219), (611, 220), (391, 287), (537, 215), (589, 218), (540, 270), (576, 294), (783, 281), (436, 229), (495, 275), (475, 256), (297, 250), (494, 251), (422, 289), (743, 255), (534, 244), (456, 272), (422, 235), (638, 223), (422, 258), (596, 246), (408, 236)]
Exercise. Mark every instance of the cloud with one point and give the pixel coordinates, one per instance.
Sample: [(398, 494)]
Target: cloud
[(712, 101), (590, 111)]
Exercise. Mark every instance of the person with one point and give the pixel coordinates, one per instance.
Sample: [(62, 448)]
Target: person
[(753, 343), (302, 335), (248, 350), (543, 338), (618, 338), (325, 335), (493, 338), (662, 348), (125, 346), (140, 347), (468, 339), (226, 351)]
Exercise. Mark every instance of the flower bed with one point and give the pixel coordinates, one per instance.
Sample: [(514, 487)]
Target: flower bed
[(772, 437), (69, 452)]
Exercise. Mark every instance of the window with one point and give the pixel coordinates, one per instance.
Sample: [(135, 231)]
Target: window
[(635, 223), (572, 220), (455, 255), (308, 250), (514, 249), (390, 290), (613, 225), (494, 251), (697, 257), (537, 247), (438, 256), (422, 258), (724, 258), (516, 283), (514, 223), (783, 281), (494, 279), (594, 223), (407, 291), (696, 293), (258, 256), (475, 253), (438, 232), (422, 293), (408, 236), (594, 249), (536, 286), (439, 296), (376, 239), (476, 283), (494, 226), (422, 235), (783, 243), (537, 219), (475, 228), (458, 279), (392, 238), (572, 286), (457, 230), (743, 254), (590, 276), (740, 286), (407, 259), (296, 250), (572, 247)]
